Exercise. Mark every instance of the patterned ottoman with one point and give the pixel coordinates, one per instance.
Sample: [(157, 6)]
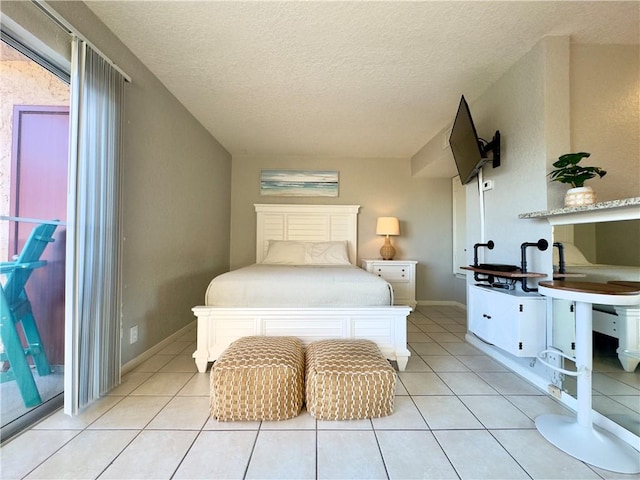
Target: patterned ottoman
[(258, 378), (348, 380)]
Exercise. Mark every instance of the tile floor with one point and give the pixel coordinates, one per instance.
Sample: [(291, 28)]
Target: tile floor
[(459, 414)]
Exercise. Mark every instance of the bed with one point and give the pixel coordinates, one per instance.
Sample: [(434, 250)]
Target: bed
[(618, 322), (296, 244)]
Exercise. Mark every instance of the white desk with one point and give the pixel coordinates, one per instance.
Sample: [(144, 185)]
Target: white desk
[(579, 437)]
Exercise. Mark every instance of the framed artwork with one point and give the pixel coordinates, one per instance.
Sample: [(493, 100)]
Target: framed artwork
[(299, 183)]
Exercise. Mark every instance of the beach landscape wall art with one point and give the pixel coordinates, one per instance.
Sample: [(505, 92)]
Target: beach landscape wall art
[(299, 183)]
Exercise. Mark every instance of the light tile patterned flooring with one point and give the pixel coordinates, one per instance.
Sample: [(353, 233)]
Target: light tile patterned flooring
[(459, 414)]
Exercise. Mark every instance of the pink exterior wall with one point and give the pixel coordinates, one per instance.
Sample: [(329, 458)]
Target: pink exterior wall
[(23, 82)]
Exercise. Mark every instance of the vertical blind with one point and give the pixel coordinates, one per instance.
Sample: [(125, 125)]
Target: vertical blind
[(93, 296)]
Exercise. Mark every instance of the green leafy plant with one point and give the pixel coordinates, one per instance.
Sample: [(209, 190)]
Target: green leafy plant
[(568, 171)]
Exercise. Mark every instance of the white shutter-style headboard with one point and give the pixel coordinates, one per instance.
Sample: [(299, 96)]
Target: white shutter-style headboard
[(312, 223)]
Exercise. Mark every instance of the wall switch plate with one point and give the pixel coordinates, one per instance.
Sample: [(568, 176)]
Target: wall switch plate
[(487, 185), (133, 334)]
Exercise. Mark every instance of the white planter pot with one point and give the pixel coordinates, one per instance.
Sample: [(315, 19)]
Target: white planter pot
[(576, 197)]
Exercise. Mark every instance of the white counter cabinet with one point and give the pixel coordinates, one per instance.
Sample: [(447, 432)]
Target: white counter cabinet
[(512, 320)]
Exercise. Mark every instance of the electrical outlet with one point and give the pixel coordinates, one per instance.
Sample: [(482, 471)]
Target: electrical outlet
[(487, 185), (555, 391), (133, 334)]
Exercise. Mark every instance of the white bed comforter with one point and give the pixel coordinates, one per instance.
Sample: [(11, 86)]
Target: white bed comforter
[(262, 285)]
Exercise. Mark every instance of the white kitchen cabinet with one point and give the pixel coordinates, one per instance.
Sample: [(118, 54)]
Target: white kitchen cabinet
[(512, 320)]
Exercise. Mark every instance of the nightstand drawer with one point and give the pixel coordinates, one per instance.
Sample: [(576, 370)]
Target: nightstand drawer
[(392, 273)]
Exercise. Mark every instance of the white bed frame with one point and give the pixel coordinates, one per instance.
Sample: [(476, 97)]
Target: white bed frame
[(386, 326)]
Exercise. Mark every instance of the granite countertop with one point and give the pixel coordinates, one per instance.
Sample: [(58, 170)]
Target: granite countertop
[(610, 205)]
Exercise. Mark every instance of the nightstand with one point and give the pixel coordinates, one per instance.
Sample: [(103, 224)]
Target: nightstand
[(401, 274)]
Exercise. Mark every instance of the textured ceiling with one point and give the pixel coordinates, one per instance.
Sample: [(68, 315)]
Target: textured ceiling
[(348, 79)]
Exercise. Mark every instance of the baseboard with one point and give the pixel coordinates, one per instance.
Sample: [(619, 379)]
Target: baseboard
[(432, 303), (133, 363)]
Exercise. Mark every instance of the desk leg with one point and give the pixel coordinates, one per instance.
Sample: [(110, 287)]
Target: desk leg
[(578, 437), (584, 362)]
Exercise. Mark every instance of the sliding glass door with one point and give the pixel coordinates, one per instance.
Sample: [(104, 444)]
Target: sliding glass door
[(34, 155)]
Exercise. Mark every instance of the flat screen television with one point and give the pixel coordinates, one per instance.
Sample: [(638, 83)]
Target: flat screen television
[(469, 151)]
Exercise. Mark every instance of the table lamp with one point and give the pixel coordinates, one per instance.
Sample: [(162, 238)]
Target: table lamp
[(387, 226)]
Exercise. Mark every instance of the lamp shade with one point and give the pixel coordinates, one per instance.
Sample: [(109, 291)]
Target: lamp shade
[(388, 226)]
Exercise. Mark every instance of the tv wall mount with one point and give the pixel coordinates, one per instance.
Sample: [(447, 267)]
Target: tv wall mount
[(493, 146)]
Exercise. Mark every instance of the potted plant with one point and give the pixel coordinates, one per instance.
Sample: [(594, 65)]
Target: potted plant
[(568, 171)]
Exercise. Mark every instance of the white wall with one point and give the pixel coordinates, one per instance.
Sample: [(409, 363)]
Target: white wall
[(518, 105), (540, 105), (529, 104), (559, 97), (382, 187)]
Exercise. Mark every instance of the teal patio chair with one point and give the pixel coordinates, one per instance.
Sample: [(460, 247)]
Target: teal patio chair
[(16, 317)]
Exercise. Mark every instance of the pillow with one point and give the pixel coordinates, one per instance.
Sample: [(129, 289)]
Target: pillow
[(292, 252), (283, 252), (326, 253), (572, 255)]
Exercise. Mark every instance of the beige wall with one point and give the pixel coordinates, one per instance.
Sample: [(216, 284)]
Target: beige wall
[(605, 115), (176, 194), (611, 243), (618, 243), (23, 82), (382, 187), (584, 237)]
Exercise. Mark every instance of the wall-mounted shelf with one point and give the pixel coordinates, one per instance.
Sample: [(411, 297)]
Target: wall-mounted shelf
[(496, 273)]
